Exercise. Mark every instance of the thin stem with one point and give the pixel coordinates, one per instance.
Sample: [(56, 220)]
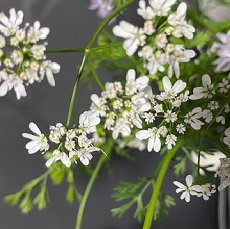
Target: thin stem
[(107, 20), (95, 74), (87, 191), (87, 51), (73, 98), (64, 50), (201, 21), (165, 163), (98, 48)]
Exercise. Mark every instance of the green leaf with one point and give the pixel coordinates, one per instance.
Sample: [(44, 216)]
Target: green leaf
[(200, 39), (26, 204), (70, 194), (122, 209), (58, 172), (13, 199), (180, 167)]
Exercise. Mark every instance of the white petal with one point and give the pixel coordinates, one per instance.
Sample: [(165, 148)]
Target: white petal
[(189, 180), (34, 128)]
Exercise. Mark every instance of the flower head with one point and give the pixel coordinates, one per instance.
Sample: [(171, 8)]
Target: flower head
[(188, 189), (38, 140)]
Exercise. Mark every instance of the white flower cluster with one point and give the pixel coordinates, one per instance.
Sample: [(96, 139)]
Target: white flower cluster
[(134, 107), (204, 190), (215, 109), (157, 50), (162, 119), (23, 60), (223, 173), (222, 50), (123, 106), (75, 140)]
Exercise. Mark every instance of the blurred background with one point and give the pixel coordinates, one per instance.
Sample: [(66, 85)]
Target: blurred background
[(71, 25)]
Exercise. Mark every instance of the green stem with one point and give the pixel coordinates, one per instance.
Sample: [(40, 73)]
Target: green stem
[(201, 21), (73, 97), (165, 163), (87, 51), (95, 74), (107, 20), (64, 50), (87, 191)]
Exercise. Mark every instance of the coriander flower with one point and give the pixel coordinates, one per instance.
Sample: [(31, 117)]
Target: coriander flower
[(103, 7), (193, 118), (88, 121), (49, 68), (133, 85), (153, 136), (203, 92), (38, 140), (22, 59), (8, 26), (226, 139), (35, 33), (156, 8), (59, 155), (85, 154), (188, 189), (170, 92), (180, 26), (179, 55), (223, 172), (133, 35), (222, 50)]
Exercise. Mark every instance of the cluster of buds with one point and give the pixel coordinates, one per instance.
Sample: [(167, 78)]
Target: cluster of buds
[(72, 143), (223, 172), (22, 59)]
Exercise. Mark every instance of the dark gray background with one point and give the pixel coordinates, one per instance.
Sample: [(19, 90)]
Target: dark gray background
[(71, 25)]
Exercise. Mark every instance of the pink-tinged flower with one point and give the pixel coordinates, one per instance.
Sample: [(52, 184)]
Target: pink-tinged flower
[(188, 189), (38, 140), (103, 7), (222, 50)]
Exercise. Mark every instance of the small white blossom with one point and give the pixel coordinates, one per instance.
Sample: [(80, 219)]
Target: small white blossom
[(223, 172), (59, 155), (132, 35), (153, 137), (122, 126), (177, 20), (179, 55), (38, 140), (35, 33), (8, 26), (48, 68), (170, 140), (203, 92), (192, 118), (226, 139), (188, 189), (180, 128), (133, 85), (88, 121)]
